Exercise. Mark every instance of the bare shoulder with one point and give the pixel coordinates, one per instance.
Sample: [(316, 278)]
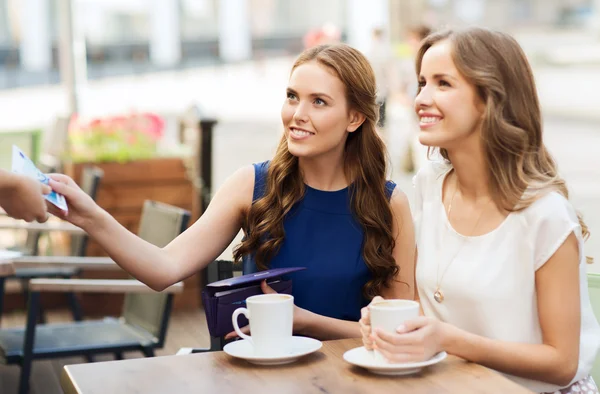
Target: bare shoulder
[(401, 210), (243, 176), (238, 188), (399, 202)]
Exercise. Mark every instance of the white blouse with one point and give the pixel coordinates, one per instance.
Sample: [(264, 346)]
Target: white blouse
[(489, 289)]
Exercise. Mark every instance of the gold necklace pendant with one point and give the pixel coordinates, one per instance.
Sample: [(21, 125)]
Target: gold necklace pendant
[(438, 296)]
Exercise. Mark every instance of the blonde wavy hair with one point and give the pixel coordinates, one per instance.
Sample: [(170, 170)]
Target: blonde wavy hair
[(521, 170), (364, 164)]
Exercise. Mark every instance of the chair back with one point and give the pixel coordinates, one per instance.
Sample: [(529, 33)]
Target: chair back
[(32, 240), (159, 225), (594, 294), (90, 181), (220, 270), (27, 140)]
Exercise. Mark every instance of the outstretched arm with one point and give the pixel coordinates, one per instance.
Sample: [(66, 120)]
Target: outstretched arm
[(193, 250)]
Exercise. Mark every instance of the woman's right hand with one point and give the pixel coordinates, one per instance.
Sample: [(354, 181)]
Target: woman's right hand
[(365, 324), (83, 211)]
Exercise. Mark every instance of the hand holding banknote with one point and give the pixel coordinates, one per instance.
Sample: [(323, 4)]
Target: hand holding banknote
[(22, 165), (22, 197), (83, 211)]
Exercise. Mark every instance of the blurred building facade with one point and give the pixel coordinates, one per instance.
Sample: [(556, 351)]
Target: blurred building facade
[(133, 36)]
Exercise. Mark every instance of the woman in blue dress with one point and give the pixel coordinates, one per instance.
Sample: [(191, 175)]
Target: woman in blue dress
[(322, 203)]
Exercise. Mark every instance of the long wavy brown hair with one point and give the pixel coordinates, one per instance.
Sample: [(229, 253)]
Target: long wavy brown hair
[(364, 165), (521, 170)]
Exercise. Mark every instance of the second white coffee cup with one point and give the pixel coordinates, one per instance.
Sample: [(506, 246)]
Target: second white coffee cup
[(387, 315), (271, 319)]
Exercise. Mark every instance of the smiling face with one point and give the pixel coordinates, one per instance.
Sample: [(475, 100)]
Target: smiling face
[(448, 106), (315, 113)]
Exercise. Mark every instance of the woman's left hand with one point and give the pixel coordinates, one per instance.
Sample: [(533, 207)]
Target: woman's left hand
[(301, 316), (416, 340)]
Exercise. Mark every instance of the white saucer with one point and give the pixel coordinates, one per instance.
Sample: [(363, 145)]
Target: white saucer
[(301, 346), (364, 358)]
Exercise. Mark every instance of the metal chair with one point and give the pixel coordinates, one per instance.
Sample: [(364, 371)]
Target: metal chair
[(141, 327), (90, 180)]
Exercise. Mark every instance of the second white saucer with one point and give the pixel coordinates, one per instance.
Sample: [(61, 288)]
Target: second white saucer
[(301, 346), (364, 358)]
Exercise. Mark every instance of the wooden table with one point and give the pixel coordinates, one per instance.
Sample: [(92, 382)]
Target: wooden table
[(35, 226), (321, 372), (9, 254), (86, 263)]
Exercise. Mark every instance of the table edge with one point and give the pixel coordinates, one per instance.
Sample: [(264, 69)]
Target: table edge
[(67, 382)]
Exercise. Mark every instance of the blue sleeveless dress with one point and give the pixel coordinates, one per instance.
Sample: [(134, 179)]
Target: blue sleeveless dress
[(322, 235)]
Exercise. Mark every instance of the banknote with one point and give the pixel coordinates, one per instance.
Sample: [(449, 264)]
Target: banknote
[(22, 165)]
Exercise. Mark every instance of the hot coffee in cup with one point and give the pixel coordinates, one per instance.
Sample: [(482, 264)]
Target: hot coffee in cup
[(271, 319), (387, 315)]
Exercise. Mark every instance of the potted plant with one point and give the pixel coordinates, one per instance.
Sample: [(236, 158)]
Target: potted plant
[(114, 139)]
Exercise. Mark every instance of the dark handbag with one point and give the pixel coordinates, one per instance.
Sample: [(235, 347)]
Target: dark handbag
[(222, 298)]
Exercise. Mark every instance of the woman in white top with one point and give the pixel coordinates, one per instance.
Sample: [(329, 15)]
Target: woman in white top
[(500, 272)]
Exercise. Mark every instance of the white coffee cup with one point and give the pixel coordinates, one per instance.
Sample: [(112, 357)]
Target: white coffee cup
[(271, 319), (387, 315)]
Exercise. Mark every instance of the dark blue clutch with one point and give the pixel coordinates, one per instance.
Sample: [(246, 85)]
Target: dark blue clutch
[(222, 298)]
